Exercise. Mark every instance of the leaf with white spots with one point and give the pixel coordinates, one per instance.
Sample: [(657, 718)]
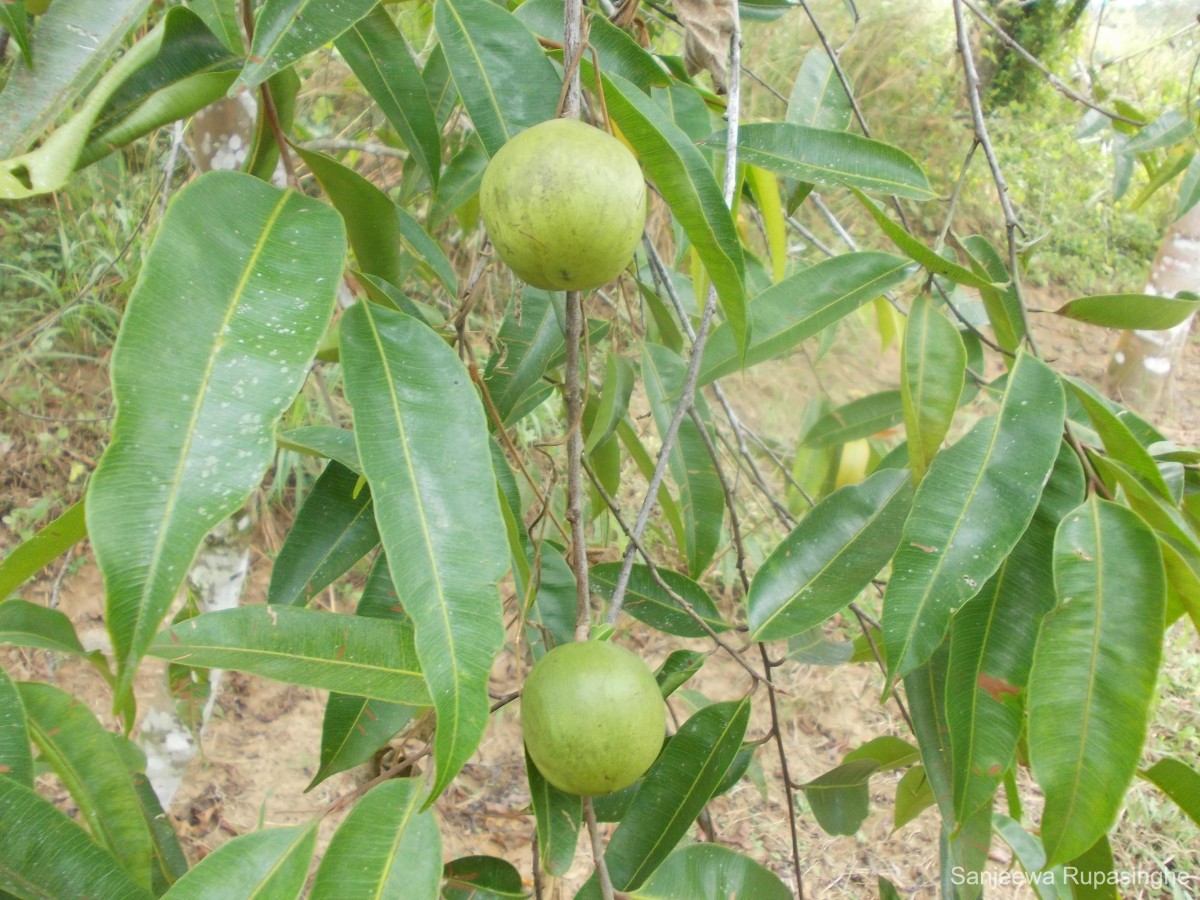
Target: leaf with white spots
[(225, 318)]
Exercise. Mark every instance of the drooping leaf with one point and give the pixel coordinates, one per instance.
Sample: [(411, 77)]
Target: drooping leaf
[(1178, 781), (857, 419), (701, 499), (710, 870), (840, 798), (1094, 670), (1146, 311), (835, 551), (269, 863), (333, 530), (619, 378), (641, 458), (918, 252), (1092, 873), (975, 502), (1048, 884), (800, 306), (482, 878), (673, 792), (766, 195), (45, 855), (386, 847), (244, 309), (833, 158), (51, 541), (33, 97), (683, 177), (914, 794), (378, 55), (530, 335), (1171, 128), (412, 399), (647, 602), (991, 647), (459, 184), (557, 817), (1118, 438), (87, 760), (263, 160), (16, 759), (30, 625), (677, 669), (169, 863), (1003, 304), (933, 363), (286, 30), (489, 50), (353, 654), (324, 441)]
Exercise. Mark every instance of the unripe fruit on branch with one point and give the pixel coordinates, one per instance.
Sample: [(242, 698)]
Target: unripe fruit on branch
[(564, 205), (593, 717)]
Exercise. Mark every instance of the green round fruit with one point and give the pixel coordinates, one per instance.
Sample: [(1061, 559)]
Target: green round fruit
[(593, 717), (564, 205)]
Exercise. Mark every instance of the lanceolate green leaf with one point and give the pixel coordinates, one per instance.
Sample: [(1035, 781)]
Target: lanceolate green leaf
[(221, 17), (214, 346), (859, 418), (835, 551), (376, 52), (85, 757), (710, 870), (975, 502), (262, 864), (619, 378), (489, 51), (800, 306), (918, 252), (34, 97), (16, 760), (324, 441), (557, 816), (681, 174), (386, 847), (1093, 673), (933, 364), (353, 654), (1178, 781), (834, 158), (30, 625), (1118, 439), (700, 496), (285, 30), (51, 541), (991, 647), (647, 602), (46, 856), (333, 530), (1002, 303), (673, 792), (1146, 311), (13, 19), (412, 400), (529, 336), (818, 99), (840, 798)]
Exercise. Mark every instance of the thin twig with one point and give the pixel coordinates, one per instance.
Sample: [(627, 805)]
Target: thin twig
[(788, 790), (368, 147), (268, 108), (1054, 80), (589, 813), (866, 623)]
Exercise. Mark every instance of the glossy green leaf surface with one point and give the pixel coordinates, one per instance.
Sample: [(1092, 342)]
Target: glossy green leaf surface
[(324, 441), (918, 252), (619, 379), (710, 870), (840, 798), (681, 174), (386, 847), (87, 760), (914, 794), (700, 497), (833, 158), (1178, 781), (677, 669), (412, 399), (1093, 673), (51, 541), (859, 418), (647, 602), (489, 50), (286, 30), (332, 531), (16, 759), (1146, 311), (800, 306), (530, 335), (827, 559), (221, 17), (1003, 305), (482, 878), (673, 792), (557, 817), (933, 364), (194, 430), (31, 625), (34, 97), (168, 862), (270, 863), (46, 856), (353, 654), (973, 505), (991, 647), (1120, 442), (377, 53)]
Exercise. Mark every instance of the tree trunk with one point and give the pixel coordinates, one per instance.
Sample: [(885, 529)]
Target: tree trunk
[(1141, 368)]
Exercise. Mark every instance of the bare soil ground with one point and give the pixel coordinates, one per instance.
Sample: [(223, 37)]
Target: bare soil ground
[(261, 747)]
